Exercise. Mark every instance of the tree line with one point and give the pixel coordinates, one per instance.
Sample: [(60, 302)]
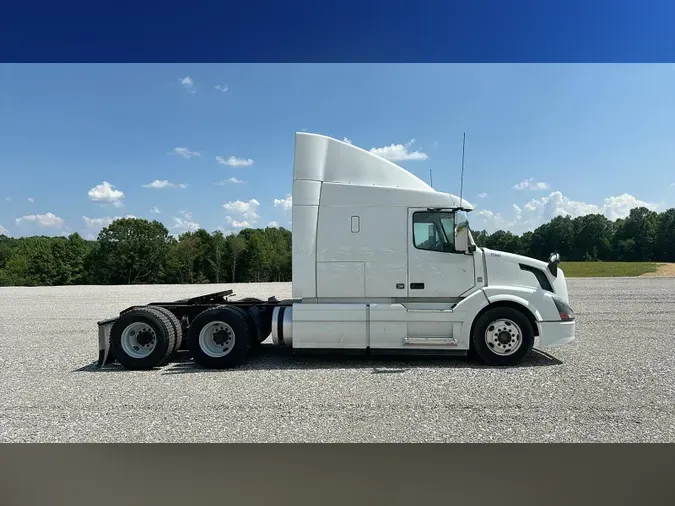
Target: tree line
[(642, 236), (139, 251)]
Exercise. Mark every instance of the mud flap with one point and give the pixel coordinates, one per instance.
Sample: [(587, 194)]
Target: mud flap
[(104, 356)]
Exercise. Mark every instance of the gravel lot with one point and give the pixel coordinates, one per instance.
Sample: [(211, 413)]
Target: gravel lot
[(615, 383)]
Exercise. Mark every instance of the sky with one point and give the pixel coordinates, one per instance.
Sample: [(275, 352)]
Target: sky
[(211, 146)]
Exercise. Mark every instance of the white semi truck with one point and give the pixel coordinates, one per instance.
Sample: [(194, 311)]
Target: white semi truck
[(382, 263)]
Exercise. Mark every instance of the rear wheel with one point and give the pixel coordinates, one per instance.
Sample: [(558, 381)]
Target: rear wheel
[(502, 336), (175, 323), (142, 338), (219, 338)]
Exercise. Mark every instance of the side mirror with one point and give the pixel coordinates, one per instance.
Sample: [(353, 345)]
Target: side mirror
[(553, 262), (462, 242)]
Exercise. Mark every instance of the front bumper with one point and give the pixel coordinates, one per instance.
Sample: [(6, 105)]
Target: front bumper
[(554, 334)]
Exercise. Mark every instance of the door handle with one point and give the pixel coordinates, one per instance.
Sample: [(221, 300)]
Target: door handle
[(417, 286)]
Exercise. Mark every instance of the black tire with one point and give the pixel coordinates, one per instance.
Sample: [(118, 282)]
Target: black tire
[(484, 352), (177, 328), (161, 326), (238, 322)]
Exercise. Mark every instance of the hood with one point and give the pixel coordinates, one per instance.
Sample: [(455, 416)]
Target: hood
[(507, 269), (517, 259)]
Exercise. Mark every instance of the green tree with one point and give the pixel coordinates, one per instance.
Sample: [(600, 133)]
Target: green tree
[(181, 258), (593, 236), (131, 250), (260, 257), (555, 236), (76, 253), (637, 234), (217, 256), (236, 245), (664, 246)]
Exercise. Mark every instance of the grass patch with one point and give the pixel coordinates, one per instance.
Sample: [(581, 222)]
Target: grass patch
[(607, 269)]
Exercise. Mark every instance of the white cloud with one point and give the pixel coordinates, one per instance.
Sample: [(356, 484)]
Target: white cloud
[(185, 224), (348, 141), (536, 212), (31, 199), (284, 204), (247, 210), (154, 210), (185, 153), (106, 193), (3, 230), (233, 161), (188, 84), (44, 220), (8, 199), (530, 184), (236, 224), (273, 224), (482, 195), (399, 152), (232, 180), (619, 207), (99, 223), (160, 184), (222, 87)]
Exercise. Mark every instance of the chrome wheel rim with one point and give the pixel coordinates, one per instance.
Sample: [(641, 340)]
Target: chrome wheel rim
[(138, 340), (216, 339), (504, 337)]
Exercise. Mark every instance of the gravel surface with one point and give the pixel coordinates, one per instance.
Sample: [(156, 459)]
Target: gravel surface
[(616, 382)]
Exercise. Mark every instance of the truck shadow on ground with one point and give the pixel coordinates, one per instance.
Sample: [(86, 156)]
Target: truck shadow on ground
[(271, 357), (275, 358)]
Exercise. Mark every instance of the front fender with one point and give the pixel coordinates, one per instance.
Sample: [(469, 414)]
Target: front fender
[(523, 297), (539, 302)]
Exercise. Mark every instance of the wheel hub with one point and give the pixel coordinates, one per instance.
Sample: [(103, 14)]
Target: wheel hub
[(503, 337), (221, 337), (144, 338)]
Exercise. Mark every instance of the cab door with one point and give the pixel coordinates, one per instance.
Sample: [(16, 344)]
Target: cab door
[(435, 269)]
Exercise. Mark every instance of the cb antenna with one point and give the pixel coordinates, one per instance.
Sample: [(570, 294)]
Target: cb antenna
[(431, 179), (461, 184)]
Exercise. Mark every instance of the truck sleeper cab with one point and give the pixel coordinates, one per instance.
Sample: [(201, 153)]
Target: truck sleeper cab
[(382, 262)]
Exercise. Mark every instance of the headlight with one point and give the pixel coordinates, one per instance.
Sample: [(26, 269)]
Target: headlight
[(564, 310)]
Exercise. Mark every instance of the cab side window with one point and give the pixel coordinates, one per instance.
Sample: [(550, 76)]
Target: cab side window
[(433, 231)]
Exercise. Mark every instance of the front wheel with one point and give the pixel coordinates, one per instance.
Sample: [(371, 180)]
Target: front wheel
[(503, 336)]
